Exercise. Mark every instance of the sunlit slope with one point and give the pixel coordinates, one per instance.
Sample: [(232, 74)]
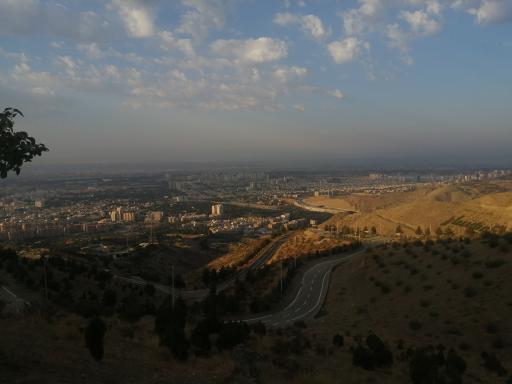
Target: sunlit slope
[(480, 205)]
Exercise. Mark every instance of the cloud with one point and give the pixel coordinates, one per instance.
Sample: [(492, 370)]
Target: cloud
[(421, 23), (35, 17), (138, 19), (299, 107), (91, 50), (170, 42), (311, 25), (336, 93), (360, 20), (288, 74), (344, 51), (202, 17), (252, 51), (492, 11), (39, 83)]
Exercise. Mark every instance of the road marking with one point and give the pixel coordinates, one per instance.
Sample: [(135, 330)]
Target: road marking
[(329, 264), (15, 296)]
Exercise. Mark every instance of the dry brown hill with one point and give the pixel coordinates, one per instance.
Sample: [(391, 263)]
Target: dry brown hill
[(477, 205), (454, 294)]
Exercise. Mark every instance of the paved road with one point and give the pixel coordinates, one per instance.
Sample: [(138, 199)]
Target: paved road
[(309, 298), (200, 294), (14, 304)]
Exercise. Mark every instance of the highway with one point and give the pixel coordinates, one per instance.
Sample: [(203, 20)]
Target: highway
[(14, 303), (309, 298), (200, 294), (306, 303)]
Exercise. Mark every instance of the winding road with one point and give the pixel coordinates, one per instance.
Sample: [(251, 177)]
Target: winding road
[(200, 294), (310, 296), (306, 303)]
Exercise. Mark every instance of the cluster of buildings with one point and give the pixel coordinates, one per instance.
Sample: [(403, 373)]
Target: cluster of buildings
[(66, 206)]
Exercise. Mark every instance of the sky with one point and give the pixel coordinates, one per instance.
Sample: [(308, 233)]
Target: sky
[(128, 81)]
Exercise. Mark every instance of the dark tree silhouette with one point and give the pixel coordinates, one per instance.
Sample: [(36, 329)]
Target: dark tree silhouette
[(94, 334), (16, 148)]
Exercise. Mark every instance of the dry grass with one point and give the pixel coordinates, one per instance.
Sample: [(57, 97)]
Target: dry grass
[(457, 298), (304, 243), (482, 203)]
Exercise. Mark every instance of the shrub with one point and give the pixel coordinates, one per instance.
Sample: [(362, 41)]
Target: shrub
[(455, 365), (232, 334), (376, 354), (424, 367), (428, 366), (259, 328), (94, 335), (495, 263), (492, 328), (493, 364), (470, 292), (498, 343), (415, 325), (477, 275), (338, 340)]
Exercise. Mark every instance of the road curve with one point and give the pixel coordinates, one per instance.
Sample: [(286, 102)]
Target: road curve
[(309, 298), (200, 294)]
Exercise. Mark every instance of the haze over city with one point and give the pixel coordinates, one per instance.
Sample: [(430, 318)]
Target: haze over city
[(255, 191), (260, 81)]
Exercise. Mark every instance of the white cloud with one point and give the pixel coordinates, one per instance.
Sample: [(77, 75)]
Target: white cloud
[(42, 91), (397, 37), (364, 18), (203, 16), (169, 42), (91, 50), (492, 11), (13, 55), (421, 23), (35, 17), (39, 83), (288, 74), (137, 17), (311, 25), (299, 107), (336, 93), (255, 51), (344, 51)]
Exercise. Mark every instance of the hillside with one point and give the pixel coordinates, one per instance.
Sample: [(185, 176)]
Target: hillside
[(454, 294), (479, 206)]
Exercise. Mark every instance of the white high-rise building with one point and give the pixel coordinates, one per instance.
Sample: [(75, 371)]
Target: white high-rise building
[(217, 210)]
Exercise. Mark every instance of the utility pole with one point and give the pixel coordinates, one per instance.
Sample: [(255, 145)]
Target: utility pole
[(281, 278), (45, 278), (172, 284)]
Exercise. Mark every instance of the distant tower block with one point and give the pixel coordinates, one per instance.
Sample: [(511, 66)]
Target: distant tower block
[(217, 210)]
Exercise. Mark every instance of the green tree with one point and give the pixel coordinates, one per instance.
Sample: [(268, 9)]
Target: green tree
[(94, 335), (170, 326), (16, 148)]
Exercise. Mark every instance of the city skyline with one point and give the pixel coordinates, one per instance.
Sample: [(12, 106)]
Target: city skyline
[(244, 81)]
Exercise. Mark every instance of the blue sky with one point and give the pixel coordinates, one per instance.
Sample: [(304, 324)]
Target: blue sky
[(249, 80)]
